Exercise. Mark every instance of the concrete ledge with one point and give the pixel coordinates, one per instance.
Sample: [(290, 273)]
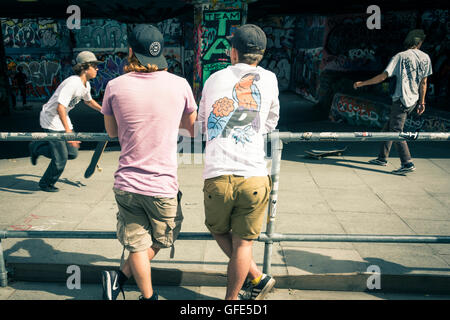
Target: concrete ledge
[(389, 283)]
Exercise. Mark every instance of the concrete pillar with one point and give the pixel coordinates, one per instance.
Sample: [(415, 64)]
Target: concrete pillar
[(213, 21), (4, 84)]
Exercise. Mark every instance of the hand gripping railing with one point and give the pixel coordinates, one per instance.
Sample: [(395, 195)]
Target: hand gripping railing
[(269, 237)]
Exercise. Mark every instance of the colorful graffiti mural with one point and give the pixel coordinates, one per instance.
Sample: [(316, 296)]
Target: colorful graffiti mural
[(214, 46), (101, 35), (363, 112), (278, 58), (30, 33), (351, 46), (43, 73), (358, 111), (307, 57)]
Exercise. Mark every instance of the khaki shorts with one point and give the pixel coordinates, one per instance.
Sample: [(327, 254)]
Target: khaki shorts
[(145, 221), (236, 203)]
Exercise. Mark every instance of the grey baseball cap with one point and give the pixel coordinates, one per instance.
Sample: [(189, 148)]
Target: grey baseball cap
[(147, 43), (86, 57), (249, 38)]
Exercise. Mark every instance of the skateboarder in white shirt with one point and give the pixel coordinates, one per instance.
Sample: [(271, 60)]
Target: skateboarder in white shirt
[(54, 118)]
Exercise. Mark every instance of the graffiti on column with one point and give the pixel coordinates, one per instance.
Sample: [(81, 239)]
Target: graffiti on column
[(101, 34), (43, 73), (351, 46), (437, 44), (110, 68), (30, 33), (214, 45), (280, 33), (309, 40)]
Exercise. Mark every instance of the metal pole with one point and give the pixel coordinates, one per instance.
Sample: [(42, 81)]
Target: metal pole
[(88, 235), (277, 148), (277, 237), (284, 136), (3, 272)]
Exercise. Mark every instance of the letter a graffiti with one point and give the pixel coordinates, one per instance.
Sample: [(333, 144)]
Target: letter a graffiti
[(374, 21), (74, 281), (374, 281), (74, 21)]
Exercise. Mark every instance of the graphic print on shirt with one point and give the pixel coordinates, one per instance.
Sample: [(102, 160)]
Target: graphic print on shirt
[(414, 74), (241, 122)]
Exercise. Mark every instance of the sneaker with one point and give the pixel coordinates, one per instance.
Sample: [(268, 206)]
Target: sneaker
[(33, 156), (153, 297), (378, 162), (258, 292), (405, 168), (49, 188), (111, 286)]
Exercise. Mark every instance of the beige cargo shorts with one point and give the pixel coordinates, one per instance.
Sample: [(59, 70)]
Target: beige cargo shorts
[(145, 221), (236, 204)]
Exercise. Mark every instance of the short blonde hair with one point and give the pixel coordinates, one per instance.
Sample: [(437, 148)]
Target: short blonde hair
[(135, 66), (250, 58)]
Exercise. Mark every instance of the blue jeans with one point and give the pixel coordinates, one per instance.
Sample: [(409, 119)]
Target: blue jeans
[(59, 152)]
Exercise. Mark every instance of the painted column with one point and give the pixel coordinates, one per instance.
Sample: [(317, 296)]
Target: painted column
[(213, 21), (4, 84)]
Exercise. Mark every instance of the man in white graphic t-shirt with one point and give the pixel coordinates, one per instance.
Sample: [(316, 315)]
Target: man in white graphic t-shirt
[(239, 105), (411, 67), (54, 117)]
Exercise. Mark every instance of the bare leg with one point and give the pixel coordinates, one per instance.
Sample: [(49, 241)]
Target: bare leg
[(239, 266), (225, 243), (126, 269), (138, 265)]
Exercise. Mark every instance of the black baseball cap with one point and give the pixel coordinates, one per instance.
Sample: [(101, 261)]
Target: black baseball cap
[(147, 43), (249, 38)]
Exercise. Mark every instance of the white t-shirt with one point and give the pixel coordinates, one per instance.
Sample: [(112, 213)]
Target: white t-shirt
[(410, 67), (239, 104), (69, 93)]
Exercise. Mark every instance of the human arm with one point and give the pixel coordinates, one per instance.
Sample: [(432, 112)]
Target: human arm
[(422, 93), (111, 126), (375, 80), (63, 116), (189, 114), (188, 123), (94, 105)]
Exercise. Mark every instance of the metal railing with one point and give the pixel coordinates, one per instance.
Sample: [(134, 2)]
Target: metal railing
[(268, 237)]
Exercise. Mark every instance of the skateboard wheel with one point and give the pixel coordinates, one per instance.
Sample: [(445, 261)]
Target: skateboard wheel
[(99, 169)]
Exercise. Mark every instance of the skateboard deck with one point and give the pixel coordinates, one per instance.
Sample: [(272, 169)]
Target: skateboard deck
[(319, 154), (101, 145)]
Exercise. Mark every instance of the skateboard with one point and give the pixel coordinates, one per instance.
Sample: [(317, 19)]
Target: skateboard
[(319, 154), (101, 145)]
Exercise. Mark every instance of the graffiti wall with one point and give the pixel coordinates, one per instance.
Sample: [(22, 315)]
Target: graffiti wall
[(308, 54), (368, 113), (215, 47), (437, 44), (213, 21), (45, 50), (101, 35), (358, 111), (43, 73), (351, 46), (280, 32), (30, 33)]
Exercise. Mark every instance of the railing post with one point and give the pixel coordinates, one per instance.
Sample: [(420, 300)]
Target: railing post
[(3, 273), (277, 148)]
